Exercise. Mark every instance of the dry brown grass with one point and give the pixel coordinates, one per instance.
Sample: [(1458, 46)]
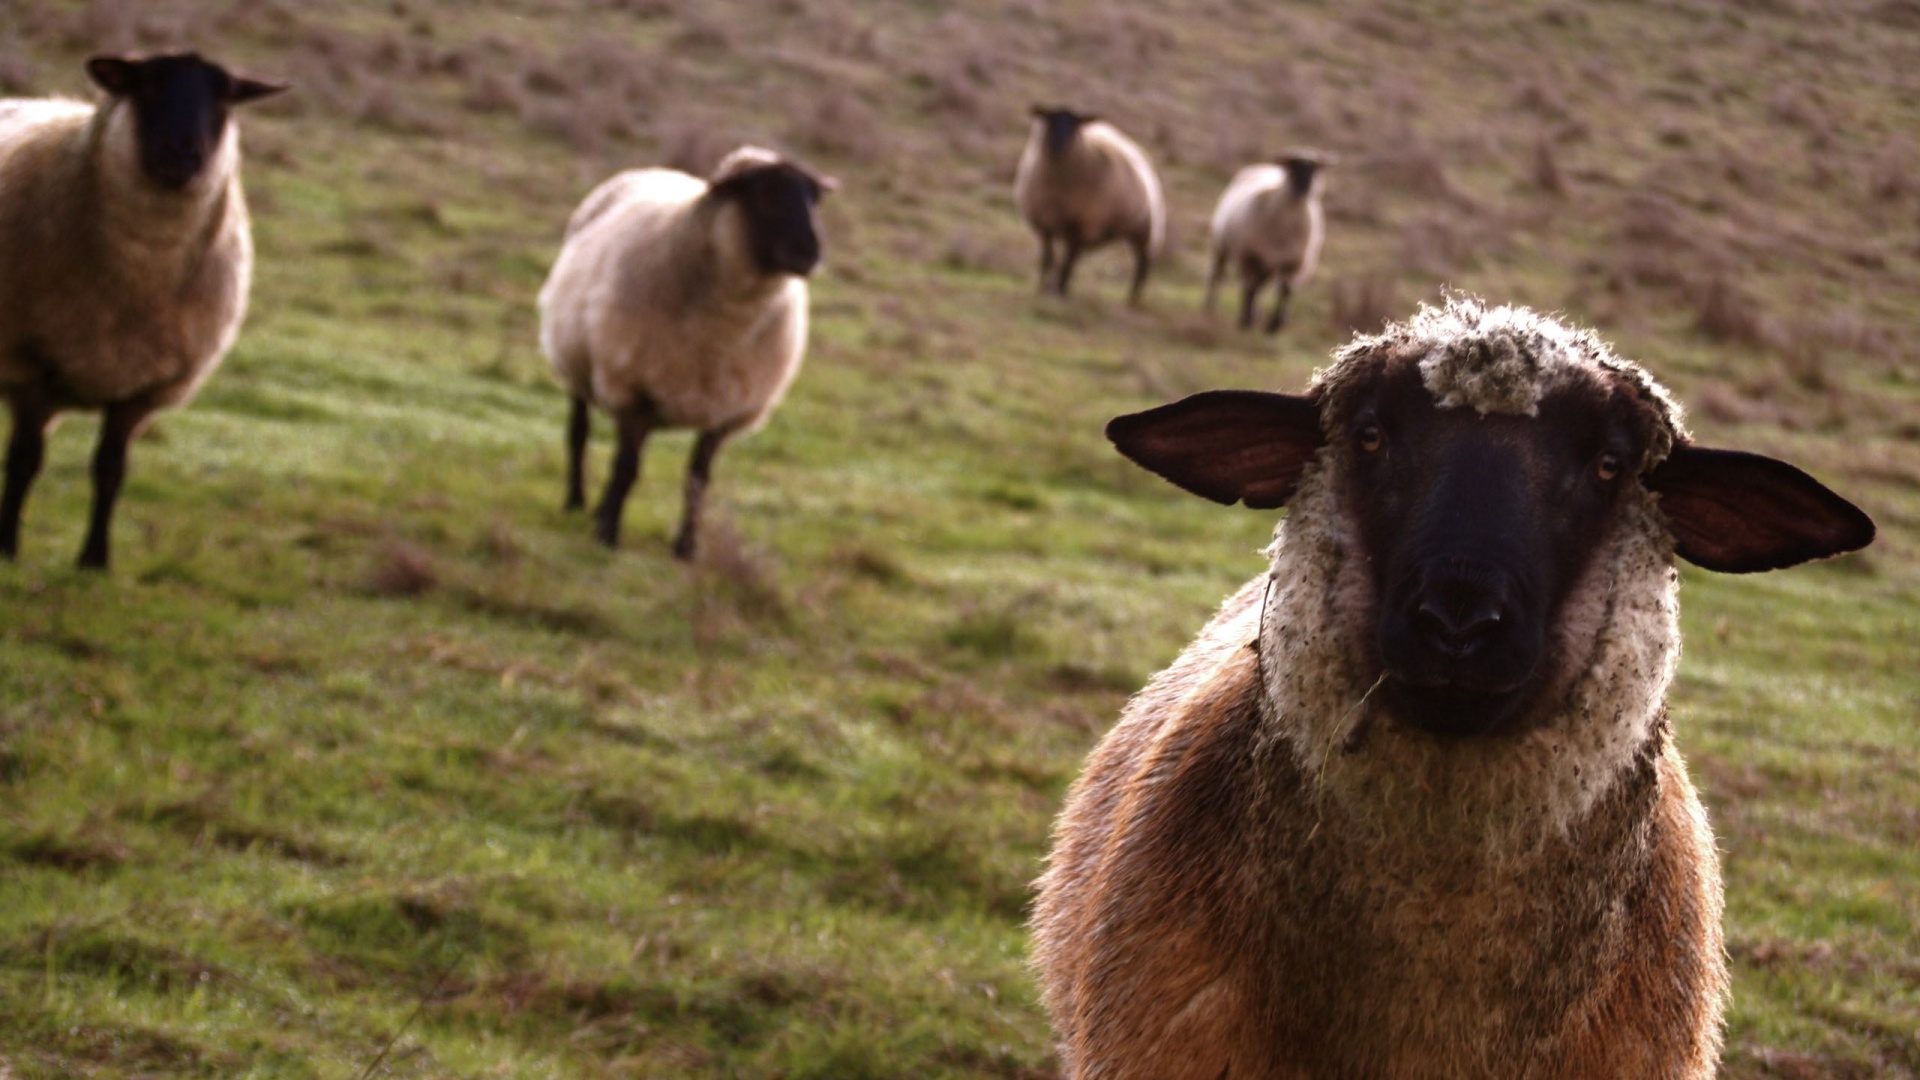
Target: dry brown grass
[(1362, 304), (400, 567)]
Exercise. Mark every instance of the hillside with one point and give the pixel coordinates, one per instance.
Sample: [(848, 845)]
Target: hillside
[(365, 752)]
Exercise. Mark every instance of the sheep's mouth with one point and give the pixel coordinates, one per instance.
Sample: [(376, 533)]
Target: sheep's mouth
[(1450, 709)]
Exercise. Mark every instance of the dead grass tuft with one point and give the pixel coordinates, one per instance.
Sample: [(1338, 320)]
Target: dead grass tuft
[(16, 70), (1547, 177), (694, 142), (733, 574), (1362, 304), (401, 568), (1728, 314), (841, 125)]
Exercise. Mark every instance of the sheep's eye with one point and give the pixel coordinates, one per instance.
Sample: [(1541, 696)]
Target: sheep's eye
[(1609, 465), (1369, 437)]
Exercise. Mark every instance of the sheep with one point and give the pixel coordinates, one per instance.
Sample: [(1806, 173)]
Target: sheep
[(1409, 805), (680, 302), (1080, 180), (1269, 223), (125, 259)]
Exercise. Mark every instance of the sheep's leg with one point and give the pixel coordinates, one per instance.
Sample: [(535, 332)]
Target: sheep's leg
[(1213, 278), (1142, 262), (632, 426), (26, 449), (1046, 260), (579, 424), (1254, 277), (121, 421), (699, 469), (1066, 263), (1279, 317)]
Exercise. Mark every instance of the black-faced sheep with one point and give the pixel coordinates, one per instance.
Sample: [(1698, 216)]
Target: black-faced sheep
[(681, 302), (125, 258), (1409, 805), (1082, 182), (1269, 224)]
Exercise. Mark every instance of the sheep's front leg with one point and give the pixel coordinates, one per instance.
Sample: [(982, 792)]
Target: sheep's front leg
[(699, 470), (1279, 317), (121, 421), (632, 426), (26, 449), (579, 425)]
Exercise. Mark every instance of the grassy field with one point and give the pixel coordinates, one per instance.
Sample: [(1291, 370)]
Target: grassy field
[(365, 760)]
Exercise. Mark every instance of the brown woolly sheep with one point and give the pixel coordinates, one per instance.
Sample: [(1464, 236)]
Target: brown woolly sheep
[(1083, 182), (125, 257), (1409, 806)]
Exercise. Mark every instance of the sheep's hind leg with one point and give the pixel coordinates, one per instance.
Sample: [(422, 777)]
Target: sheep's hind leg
[(1046, 260), (26, 449), (1142, 262), (632, 426), (121, 421), (579, 425), (1254, 278), (1213, 278), (1279, 317), (1066, 264), (699, 470)]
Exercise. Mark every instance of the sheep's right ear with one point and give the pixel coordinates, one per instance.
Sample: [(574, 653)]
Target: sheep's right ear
[(1226, 445), (244, 90), (117, 75)]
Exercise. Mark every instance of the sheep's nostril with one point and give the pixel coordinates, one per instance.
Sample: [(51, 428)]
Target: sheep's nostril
[(1457, 626)]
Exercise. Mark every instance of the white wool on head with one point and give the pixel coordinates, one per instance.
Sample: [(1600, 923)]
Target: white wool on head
[(1503, 360)]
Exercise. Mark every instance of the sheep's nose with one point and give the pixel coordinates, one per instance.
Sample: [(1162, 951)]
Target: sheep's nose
[(1458, 619)]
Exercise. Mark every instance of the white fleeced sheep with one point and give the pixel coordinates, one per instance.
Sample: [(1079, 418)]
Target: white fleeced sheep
[(1269, 224), (1084, 183), (1410, 805), (678, 302), (125, 258)]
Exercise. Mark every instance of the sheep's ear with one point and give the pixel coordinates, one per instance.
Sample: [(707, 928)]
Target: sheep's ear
[(244, 90), (117, 75), (1741, 513), (1226, 445)]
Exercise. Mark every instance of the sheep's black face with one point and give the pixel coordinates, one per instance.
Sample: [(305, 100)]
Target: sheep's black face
[(1059, 126), (782, 229), (180, 106), (1476, 528), (1300, 173)]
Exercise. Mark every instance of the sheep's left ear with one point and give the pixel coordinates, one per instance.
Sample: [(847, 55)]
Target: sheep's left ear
[(1741, 513), (244, 90), (1226, 445), (117, 75)]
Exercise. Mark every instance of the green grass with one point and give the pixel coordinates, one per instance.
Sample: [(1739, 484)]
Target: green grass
[(364, 740)]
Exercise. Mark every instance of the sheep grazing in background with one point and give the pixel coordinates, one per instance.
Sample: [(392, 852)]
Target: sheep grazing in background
[(1269, 224), (680, 302), (1084, 183), (1409, 805), (125, 258)]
